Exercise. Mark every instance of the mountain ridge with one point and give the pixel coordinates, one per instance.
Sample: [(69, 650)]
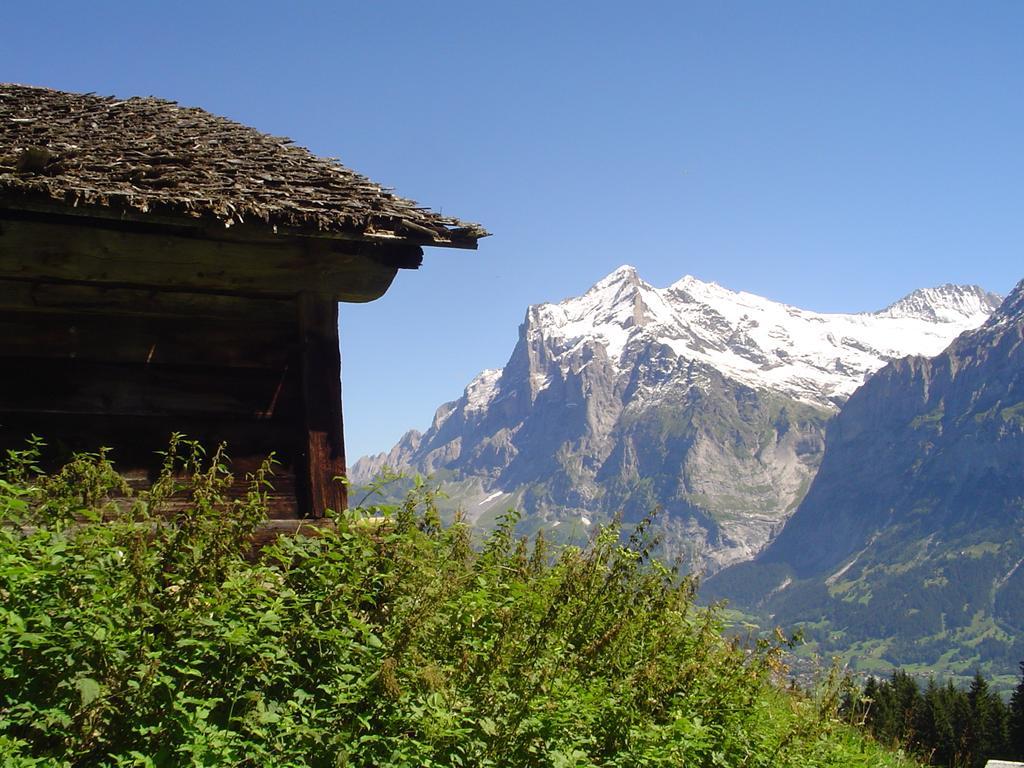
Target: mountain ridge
[(908, 546), (707, 402)]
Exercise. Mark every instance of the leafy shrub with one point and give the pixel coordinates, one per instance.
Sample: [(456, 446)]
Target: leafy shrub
[(142, 631)]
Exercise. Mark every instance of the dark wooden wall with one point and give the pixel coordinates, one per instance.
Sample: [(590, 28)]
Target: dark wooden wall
[(86, 367), (119, 332)]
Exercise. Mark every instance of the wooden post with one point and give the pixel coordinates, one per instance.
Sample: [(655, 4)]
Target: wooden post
[(323, 439)]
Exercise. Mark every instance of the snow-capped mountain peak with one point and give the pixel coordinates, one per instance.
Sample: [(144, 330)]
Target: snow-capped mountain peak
[(707, 402), (623, 275), (816, 357), (945, 304)]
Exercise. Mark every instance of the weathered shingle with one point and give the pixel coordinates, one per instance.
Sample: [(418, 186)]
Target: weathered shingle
[(148, 154)]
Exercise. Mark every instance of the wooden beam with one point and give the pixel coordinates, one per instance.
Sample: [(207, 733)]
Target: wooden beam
[(67, 252), (320, 396), (187, 342), (88, 299), (63, 386)]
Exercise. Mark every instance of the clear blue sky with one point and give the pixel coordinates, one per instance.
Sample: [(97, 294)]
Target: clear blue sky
[(833, 155)]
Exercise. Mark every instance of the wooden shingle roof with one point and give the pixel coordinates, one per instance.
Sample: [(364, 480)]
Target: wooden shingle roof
[(148, 155)]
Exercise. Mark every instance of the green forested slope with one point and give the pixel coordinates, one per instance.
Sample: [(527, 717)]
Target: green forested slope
[(908, 548)]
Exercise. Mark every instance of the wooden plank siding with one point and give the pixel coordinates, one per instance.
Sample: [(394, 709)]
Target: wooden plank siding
[(34, 385), (165, 341), (35, 295), (112, 338)]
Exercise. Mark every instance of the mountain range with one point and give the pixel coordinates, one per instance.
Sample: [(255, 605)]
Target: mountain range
[(908, 549), (709, 404)]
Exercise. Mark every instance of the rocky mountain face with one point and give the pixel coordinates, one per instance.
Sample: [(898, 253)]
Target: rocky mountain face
[(708, 403), (910, 541)]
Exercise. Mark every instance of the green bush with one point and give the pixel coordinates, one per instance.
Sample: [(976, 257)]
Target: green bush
[(142, 631)]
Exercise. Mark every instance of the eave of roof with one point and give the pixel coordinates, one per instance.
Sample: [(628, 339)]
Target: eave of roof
[(151, 156)]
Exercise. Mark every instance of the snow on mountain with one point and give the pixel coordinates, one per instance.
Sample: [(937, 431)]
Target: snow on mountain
[(909, 536), (707, 403), (945, 304), (819, 358)]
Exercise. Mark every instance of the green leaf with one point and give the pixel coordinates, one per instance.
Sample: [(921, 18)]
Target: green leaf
[(89, 690)]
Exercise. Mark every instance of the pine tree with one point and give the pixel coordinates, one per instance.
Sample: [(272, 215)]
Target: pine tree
[(1016, 718), (870, 699), (906, 700), (959, 709), (987, 728), (933, 733), (883, 718)]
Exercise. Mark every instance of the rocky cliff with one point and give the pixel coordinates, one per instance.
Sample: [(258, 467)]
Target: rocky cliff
[(909, 542), (708, 403)]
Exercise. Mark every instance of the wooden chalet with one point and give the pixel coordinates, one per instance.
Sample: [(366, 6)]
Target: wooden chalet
[(164, 269)]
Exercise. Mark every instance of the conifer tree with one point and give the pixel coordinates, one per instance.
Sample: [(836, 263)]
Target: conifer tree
[(906, 697), (1016, 718), (987, 729), (931, 725), (960, 721)]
